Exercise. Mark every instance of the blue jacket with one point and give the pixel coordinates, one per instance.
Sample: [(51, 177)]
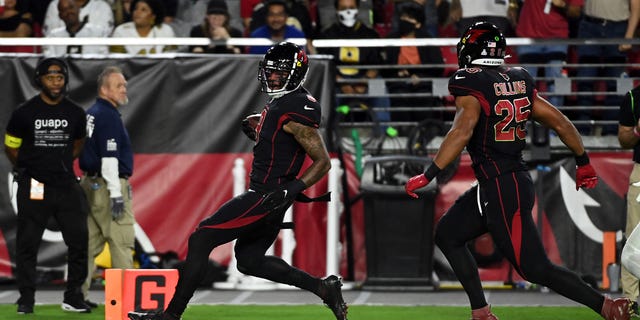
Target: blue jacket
[(106, 137)]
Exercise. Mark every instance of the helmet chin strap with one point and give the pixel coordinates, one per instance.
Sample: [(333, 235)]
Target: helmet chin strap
[(282, 92), (276, 95)]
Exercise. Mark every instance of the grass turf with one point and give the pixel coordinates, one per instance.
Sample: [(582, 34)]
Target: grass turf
[(318, 312)]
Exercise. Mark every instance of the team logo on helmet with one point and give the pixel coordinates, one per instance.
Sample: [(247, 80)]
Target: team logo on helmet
[(283, 69), (473, 35), (481, 44)]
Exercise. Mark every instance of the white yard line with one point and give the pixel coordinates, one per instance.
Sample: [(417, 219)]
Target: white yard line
[(201, 294), (362, 298), (241, 298)]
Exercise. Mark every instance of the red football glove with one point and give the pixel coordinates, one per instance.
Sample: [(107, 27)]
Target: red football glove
[(416, 182), (586, 177)]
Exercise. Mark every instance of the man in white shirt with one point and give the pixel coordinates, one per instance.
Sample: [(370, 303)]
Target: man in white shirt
[(69, 13), (98, 12)]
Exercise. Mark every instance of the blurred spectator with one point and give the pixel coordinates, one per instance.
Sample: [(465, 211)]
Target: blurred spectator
[(465, 12), (410, 22), (276, 27), (216, 27), (98, 13), (246, 11), (15, 21), (121, 11), (604, 19), (197, 10), (540, 19), (298, 17), (74, 28), (430, 8), (327, 13), (38, 9), (180, 26), (348, 26), (148, 17)]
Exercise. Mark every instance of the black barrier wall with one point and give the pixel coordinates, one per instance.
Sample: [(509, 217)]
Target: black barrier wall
[(172, 101)]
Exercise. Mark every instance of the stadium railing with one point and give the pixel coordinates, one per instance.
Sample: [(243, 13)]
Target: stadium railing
[(565, 86)]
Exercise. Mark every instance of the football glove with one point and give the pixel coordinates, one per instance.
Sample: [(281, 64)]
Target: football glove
[(283, 196), (117, 208), (586, 177), (416, 182)]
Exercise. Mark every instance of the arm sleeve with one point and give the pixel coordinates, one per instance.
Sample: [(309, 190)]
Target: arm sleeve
[(456, 86), (305, 110), (13, 127), (110, 173), (311, 119)]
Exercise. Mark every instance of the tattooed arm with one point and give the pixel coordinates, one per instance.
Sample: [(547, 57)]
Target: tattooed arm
[(309, 138)]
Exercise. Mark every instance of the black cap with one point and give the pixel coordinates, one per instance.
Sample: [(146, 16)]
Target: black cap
[(217, 6), (413, 10), (43, 68)]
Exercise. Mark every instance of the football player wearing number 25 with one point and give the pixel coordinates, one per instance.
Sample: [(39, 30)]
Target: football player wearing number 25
[(494, 102)]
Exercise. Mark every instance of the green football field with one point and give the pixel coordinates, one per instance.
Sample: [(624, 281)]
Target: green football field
[(318, 312)]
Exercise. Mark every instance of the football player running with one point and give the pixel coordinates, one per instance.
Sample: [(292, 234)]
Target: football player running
[(494, 102), (287, 131)]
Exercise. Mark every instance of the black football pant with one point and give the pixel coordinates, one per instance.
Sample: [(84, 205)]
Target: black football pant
[(255, 229), (506, 203), (68, 206)]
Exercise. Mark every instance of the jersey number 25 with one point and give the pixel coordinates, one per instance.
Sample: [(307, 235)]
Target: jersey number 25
[(515, 115)]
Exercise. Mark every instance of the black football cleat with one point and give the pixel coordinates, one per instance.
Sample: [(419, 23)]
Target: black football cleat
[(144, 315), (25, 308), (91, 304), (75, 304), (332, 296)]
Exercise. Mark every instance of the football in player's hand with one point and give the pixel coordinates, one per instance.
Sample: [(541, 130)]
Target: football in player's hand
[(253, 120), (249, 125)]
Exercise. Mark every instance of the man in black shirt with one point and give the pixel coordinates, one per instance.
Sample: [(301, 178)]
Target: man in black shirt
[(42, 138), (494, 102), (287, 131)]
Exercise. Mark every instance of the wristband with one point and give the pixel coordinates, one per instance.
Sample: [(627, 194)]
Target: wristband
[(432, 171), (635, 131), (582, 159)]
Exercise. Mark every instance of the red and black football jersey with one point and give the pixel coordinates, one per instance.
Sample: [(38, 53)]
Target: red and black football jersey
[(277, 156), (506, 95)]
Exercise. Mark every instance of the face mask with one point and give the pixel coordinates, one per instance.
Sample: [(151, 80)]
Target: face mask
[(405, 27), (347, 17)]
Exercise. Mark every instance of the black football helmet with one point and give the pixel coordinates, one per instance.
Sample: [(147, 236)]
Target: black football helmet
[(283, 69), (481, 44)]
